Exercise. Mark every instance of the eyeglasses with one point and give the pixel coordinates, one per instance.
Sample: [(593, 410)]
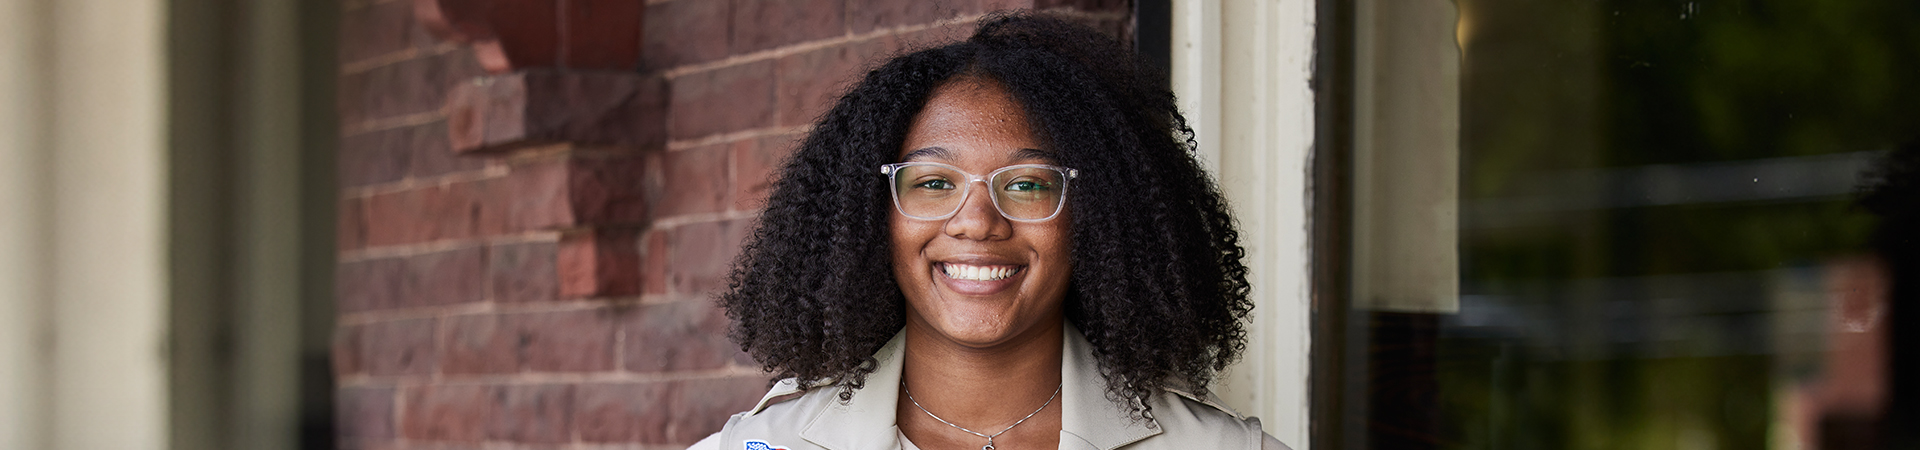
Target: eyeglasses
[(935, 191)]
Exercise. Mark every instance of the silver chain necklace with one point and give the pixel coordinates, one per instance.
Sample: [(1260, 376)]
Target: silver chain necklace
[(989, 446)]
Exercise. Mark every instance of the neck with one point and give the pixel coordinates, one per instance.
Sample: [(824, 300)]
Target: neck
[(985, 389)]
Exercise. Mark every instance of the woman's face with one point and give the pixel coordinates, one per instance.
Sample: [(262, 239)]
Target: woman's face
[(977, 278)]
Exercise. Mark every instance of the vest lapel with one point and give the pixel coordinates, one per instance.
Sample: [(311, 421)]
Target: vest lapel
[(1088, 420), (866, 422)]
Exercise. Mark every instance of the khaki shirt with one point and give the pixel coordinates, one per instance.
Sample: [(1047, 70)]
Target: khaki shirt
[(817, 419)]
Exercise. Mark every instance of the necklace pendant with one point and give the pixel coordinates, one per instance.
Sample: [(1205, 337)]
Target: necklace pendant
[(989, 446)]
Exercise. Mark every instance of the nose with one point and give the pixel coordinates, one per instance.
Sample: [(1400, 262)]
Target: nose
[(977, 218)]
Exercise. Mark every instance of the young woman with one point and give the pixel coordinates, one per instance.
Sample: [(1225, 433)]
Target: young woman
[(1002, 243)]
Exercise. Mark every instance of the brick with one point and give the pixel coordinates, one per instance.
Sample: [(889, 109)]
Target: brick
[(504, 35), (377, 30), (449, 412), (541, 107), (530, 197), (764, 24), (344, 352), (365, 413), (726, 99), (754, 165), (375, 157), (866, 15), (662, 413), (810, 82), (602, 34), (370, 284), (1084, 5), (350, 232), (570, 341), (545, 195), (599, 262), (479, 344), (696, 180), (413, 86), (677, 336), (698, 255), (567, 341), (933, 36), (534, 414), (423, 214), (399, 347), (653, 269), (682, 32), (522, 273), (612, 191), (445, 278), (389, 155)]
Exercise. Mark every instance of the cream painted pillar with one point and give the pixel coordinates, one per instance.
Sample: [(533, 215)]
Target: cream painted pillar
[(82, 279), (25, 228), (108, 270), (1242, 70)]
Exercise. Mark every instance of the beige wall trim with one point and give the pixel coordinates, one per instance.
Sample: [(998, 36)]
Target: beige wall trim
[(25, 228), (1242, 70), (82, 278)]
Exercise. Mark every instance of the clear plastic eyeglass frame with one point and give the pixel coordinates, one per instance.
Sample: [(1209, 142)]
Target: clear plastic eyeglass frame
[(966, 189)]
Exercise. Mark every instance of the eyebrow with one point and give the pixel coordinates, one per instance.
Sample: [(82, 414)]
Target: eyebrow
[(941, 153)]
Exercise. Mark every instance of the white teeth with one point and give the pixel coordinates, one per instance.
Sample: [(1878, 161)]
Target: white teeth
[(978, 273)]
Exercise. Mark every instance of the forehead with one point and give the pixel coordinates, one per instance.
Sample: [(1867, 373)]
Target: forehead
[(971, 119)]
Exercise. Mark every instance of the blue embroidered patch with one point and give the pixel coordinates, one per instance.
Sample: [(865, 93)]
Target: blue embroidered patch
[(762, 445)]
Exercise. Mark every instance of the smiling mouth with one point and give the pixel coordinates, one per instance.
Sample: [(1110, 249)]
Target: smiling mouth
[(978, 273)]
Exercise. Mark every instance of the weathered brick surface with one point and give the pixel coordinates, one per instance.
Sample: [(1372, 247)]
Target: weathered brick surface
[(395, 348), (365, 413), (414, 86), (567, 342), (600, 262), (678, 336), (666, 412), (522, 272), (681, 32), (866, 15), (539, 107), (810, 82), (700, 177), (450, 412), (378, 30), (529, 257), (537, 196), (534, 413), (727, 99), (754, 164), (698, 255), (351, 232), (764, 24)]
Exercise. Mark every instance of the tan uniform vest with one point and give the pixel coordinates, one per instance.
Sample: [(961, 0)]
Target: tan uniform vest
[(817, 419)]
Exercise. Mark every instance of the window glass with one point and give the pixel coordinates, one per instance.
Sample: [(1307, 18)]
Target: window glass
[(1657, 247)]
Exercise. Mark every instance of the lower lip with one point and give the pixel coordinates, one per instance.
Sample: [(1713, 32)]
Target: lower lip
[(972, 287)]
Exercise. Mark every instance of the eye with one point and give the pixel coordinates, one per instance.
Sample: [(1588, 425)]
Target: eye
[(1028, 186), (936, 184)]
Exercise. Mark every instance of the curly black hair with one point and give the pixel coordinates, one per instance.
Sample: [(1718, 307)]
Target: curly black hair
[(1158, 286)]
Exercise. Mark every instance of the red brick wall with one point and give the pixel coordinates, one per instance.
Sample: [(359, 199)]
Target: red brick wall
[(549, 283)]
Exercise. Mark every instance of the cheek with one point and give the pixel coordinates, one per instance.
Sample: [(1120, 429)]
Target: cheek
[(908, 240)]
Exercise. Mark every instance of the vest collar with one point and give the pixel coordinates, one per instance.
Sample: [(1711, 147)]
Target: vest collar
[(1088, 419)]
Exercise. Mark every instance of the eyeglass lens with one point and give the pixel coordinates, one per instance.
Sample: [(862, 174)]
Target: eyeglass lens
[(1024, 193)]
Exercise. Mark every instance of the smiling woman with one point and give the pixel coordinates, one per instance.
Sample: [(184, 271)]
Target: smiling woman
[(964, 296)]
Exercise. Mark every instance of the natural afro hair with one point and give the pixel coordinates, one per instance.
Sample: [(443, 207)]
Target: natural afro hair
[(1158, 286)]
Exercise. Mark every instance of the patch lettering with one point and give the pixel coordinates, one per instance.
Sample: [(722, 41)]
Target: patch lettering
[(761, 445)]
